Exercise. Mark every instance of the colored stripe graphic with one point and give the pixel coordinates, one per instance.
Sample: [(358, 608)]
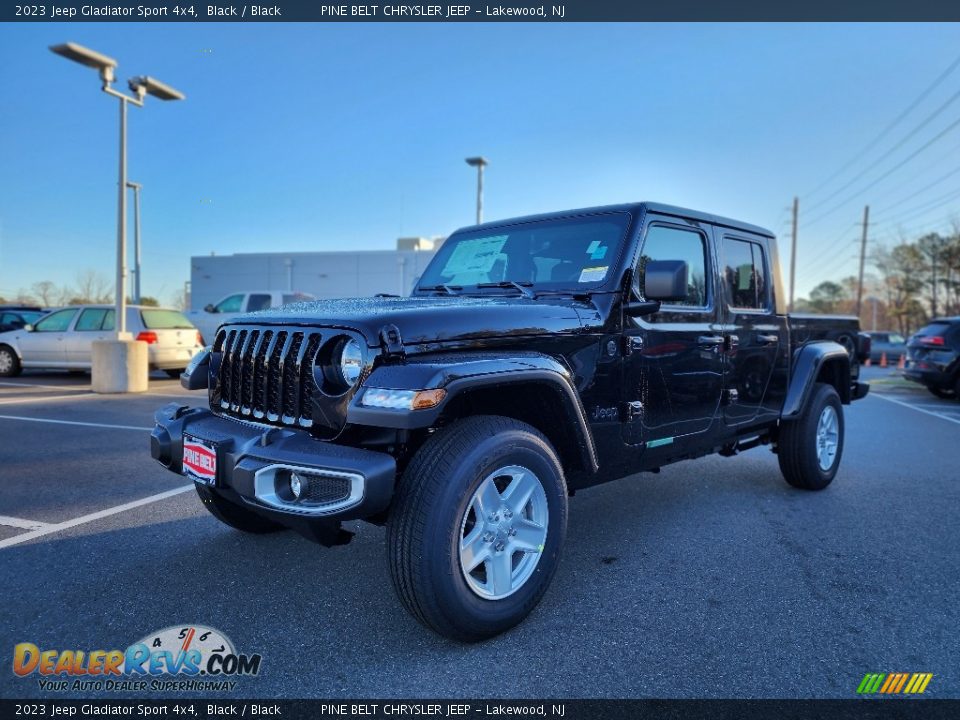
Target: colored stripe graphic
[(894, 683)]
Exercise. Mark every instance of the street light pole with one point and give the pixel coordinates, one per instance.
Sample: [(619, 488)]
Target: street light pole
[(119, 365), (479, 163), (136, 187)]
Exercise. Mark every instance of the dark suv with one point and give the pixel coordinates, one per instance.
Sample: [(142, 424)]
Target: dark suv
[(933, 357), (536, 357)]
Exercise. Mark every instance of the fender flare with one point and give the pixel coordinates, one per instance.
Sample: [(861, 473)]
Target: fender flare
[(461, 373), (807, 362)]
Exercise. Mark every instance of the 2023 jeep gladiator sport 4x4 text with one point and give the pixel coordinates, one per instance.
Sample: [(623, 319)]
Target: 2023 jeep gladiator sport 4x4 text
[(535, 357)]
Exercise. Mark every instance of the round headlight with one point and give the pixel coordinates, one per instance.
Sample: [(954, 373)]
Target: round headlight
[(350, 362)]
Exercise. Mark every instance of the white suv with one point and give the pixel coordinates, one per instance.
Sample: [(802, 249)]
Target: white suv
[(62, 339)]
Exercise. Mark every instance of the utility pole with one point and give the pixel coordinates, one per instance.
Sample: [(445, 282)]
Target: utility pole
[(863, 256), (136, 187), (793, 251)]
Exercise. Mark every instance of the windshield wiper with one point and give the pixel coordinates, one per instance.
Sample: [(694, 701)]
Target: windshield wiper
[(523, 287), (448, 289)]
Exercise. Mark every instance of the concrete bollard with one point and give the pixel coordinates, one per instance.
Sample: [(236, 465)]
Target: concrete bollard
[(120, 366)]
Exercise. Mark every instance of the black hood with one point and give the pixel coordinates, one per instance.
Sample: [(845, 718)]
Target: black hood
[(429, 319)]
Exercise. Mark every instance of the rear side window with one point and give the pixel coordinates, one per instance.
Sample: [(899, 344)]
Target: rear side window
[(670, 243), (745, 274), (164, 320), (91, 319), (56, 322), (258, 302)]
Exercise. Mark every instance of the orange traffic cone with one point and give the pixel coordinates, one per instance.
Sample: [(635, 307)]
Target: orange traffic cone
[(883, 360), (902, 363)]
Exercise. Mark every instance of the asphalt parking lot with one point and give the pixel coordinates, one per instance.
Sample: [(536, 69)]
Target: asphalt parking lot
[(711, 579)]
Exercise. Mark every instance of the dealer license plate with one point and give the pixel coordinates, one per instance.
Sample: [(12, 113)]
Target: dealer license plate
[(200, 460)]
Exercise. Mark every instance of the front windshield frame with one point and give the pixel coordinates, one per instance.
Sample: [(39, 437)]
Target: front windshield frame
[(432, 277)]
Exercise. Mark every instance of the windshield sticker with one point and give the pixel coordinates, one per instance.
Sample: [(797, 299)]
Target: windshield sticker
[(593, 274), (592, 247), (475, 257), (599, 253)]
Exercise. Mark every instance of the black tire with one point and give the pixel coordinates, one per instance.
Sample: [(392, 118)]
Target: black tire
[(943, 393), (174, 373), (237, 517), (798, 442), (9, 362), (429, 512)]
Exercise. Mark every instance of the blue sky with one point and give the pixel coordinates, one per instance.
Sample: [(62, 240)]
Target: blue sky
[(335, 136)]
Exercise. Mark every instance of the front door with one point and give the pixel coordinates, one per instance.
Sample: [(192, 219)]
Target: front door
[(93, 324), (674, 359), (46, 344)]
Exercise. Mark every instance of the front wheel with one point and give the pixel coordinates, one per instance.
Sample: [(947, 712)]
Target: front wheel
[(809, 448), (475, 533), (9, 362)]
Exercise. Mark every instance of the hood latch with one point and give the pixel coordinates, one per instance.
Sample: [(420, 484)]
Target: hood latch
[(391, 341)]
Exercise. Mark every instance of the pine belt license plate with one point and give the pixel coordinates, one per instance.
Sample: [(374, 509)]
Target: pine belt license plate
[(200, 460)]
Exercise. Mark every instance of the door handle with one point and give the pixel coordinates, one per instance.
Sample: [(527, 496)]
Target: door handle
[(710, 340), (768, 339)]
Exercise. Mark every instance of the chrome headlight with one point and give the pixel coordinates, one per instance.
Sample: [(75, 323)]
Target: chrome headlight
[(349, 362)]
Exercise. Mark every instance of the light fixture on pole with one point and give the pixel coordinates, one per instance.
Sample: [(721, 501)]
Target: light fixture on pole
[(140, 86), (479, 163), (136, 187)]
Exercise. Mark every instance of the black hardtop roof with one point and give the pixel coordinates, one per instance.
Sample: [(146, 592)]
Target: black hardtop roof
[(631, 208)]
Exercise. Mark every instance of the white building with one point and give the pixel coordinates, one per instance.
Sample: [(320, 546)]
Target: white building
[(334, 274)]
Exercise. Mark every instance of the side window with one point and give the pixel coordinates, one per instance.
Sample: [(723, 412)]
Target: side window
[(671, 243), (56, 322), (745, 273), (108, 320), (91, 319), (230, 304), (258, 302)]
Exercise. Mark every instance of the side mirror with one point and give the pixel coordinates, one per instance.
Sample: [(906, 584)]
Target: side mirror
[(210, 308), (665, 280), (28, 327)]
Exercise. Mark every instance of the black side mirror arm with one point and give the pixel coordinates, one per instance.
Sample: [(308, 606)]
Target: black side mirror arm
[(639, 308)]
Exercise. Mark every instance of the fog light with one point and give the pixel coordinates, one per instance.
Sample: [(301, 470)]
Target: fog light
[(296, 485)]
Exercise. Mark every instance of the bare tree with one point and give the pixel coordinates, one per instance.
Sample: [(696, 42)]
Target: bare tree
[(92, 287), (46, 292)]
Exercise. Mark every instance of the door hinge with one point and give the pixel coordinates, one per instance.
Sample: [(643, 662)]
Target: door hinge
[(632, 410), (632, 344), (730, 396)]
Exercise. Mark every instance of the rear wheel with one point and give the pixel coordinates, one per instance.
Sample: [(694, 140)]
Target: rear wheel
[(810, 447), (943, 393), (9, 362), (475, 533), (234, 515)]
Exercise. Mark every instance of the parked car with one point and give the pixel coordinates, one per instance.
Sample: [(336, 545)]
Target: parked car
[(14, 317), (536, 357), (893, 344), (62, 339), (933, 357), (232, 306)]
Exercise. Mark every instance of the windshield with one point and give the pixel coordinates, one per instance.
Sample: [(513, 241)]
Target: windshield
[(572, 253)]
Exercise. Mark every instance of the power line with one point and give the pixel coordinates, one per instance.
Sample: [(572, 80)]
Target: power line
[(925, 207), (883, 133), (939, 136), (922, 190)]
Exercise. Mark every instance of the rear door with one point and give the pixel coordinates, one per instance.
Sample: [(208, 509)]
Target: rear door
[(673, 365), (46, 345), (89, 327), (756, 336)]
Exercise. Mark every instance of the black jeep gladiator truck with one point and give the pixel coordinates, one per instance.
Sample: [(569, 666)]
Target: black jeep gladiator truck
[(535, 357)]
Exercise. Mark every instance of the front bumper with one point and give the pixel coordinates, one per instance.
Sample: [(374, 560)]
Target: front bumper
[(251, 460)]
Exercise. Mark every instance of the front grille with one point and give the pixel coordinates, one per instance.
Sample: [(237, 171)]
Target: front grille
[(266, 374)]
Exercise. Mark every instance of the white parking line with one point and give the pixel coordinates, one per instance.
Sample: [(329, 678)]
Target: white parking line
[(58, 527), (37, 385), (49, 398), (914, 407), (21, 523), (75, 422)]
